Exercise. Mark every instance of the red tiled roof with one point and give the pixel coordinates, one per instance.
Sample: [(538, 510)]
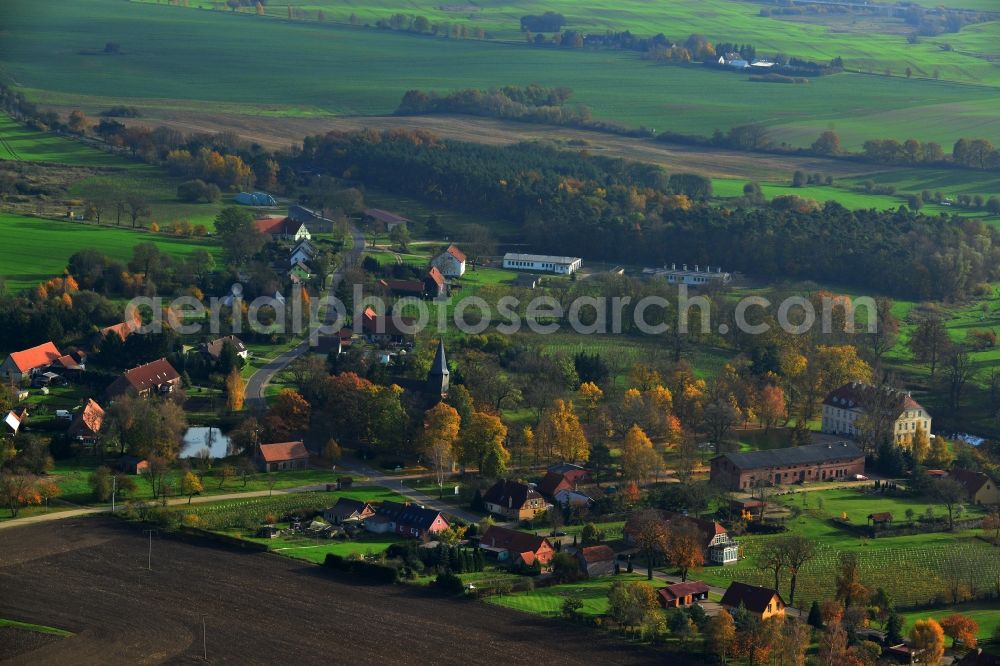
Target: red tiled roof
[(596, 553), (88, 420), (435, 275), (514, 541), (880, 517), (123, 330), (552, 482), (455, 252), (679, 590), (276, 225), (144, 377), (283, 451), (859, 394), (36, 357), (972, 481)]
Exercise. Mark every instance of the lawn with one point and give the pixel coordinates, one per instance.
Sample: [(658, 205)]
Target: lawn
[(44, 246), (987, 615), (316, 550), (165, 48), (858, 505), (18, 142), (548, 600), (38, 628)]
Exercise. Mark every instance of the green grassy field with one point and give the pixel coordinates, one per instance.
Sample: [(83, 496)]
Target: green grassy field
[(294, 77), (38, 628), (45, 245), (987, 615), (548, 601), (18, 142), (316, 550)]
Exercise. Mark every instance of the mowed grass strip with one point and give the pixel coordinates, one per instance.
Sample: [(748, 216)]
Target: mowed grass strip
[(19, 143), (548, 601), (38, 249), (37, 628)]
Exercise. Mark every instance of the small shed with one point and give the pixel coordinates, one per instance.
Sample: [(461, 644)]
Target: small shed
[(133, 465), (596, 560), (882, 518)]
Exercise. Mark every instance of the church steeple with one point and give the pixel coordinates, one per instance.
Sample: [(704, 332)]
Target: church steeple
[(437, 378)]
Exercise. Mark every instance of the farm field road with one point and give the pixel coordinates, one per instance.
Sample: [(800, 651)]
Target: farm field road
[(257, 384), (89, 576)]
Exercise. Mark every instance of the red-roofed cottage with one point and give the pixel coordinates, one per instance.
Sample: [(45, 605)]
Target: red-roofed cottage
[(283, 455), (155, 377), (282, 228), (451, 262), (517, 547), (24, 364)]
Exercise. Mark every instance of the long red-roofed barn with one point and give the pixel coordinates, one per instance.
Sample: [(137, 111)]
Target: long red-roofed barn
[(154, 377), (24, 364), (813, 462)]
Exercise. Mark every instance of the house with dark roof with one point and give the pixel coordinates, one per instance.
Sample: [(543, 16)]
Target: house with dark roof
[(979, 488), (348, 510), (761, 601), (282, 456), (564, 476), (301, 253), (796, 464), (25, 364), (410, 520), (516, 547), (156, 377), (682, 594), (384, 218), (514, 500), (133, 465), (86, 425), (846, 404), (596, 561), (716, 544), (213, 348), (314, 220), (451, 262)]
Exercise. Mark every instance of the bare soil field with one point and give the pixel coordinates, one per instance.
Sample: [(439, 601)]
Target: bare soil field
[(89, 576), (282, 132)]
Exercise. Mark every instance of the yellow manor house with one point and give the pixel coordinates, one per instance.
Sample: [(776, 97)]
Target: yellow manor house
[(844, 406)]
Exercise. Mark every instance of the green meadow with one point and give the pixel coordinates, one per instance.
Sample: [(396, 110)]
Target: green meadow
[(176, 59), (18, 142), (44, 246)]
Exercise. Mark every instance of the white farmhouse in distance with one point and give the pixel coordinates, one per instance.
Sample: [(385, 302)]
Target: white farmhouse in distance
[(542, 262), (451, 262)]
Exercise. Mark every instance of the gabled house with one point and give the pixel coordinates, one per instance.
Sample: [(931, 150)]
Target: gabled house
[(348, 510), (451, 262), (72, 364), (682, 594), (514, 500), (282, 456), (717, 546), (384, 218), (86, 425), (555, 481), (979, 488), (411, 520), (25, 364), (596, 560), (570, 472), (381, 329), (213, 348), (303, 252), (314, 220), (516, 547), (282, 228), (761, 601), (155, 377), (15, 418), (843, 406), (122, 330), (435, 286)]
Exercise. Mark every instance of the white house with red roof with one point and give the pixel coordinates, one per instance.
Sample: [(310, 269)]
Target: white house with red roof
[(24, 364), (451, 262)]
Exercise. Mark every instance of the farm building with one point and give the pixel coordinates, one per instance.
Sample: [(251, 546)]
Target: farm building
[(596, 561), (433, 285), (516, 547), (843, 406), (526, 281), (384, 218), (348, 510), (409, 520), (213, 348), (717, 547), (761, 601), (122, 330), (382, 329), (979, 488), (314, 220), (514, 500), (451, 262), (682, 594), (813, 462), (542, 262), (86, 425), (155, 377), (282, 228), (255, 199), (303, 251), (697, 277), (281, 456), (24, 364)]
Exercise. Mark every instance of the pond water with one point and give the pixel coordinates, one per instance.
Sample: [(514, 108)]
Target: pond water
[(199, 438)]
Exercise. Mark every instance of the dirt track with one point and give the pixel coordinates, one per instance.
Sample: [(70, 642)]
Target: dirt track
[(89, 576)]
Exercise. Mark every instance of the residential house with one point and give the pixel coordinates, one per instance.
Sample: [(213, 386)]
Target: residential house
[(70, 364), (572, 498), (27, 363), (348, 510), (382, 329), (314, 220), (451, 262), (15, 418), (596, 561), (86, 425), (516, 547), (122, 330), (282, 456), (679, 595), (813, 462), (155, 377), (564, 476), (411, 520), (514, 500), (761, 601), (979, 488), (384, 218), (542, 262), (435, 286), (213, 348), (573, 473), (303, 252), (843, 406), (717, 546), (282, 228)]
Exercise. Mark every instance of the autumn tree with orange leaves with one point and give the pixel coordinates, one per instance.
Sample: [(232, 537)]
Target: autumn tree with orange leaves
[(960, 629)]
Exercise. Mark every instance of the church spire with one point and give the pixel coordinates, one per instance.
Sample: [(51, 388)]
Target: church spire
[(437, 378)]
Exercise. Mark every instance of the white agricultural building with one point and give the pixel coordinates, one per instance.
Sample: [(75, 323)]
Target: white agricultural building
[(697, 277), (542, 262)]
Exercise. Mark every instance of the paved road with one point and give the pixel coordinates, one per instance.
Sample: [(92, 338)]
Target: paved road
[(257, 384)]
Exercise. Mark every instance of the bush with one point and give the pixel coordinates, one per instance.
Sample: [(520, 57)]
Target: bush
[(449, 584), (384, 574)]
